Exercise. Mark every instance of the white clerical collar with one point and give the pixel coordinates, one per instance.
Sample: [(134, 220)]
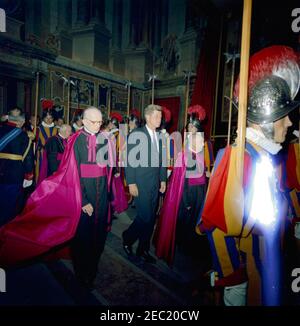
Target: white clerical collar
[(76, 127), (44, 124), (258, 138), (89, 132)]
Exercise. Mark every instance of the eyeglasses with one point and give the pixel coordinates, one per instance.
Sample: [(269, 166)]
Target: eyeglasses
[(95, 122)]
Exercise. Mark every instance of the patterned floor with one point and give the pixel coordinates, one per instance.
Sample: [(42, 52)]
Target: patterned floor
[(120, 281)]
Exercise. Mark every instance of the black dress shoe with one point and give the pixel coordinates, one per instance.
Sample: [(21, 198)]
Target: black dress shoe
[(147, 257), (90, 285), (127, 249), (87, 284)]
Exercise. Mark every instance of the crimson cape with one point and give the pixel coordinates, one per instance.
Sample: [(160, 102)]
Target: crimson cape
[(50, 217)]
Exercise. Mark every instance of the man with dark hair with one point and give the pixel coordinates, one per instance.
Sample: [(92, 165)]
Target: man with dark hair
[(145, 182), (16, 165), (54, 150), (77, 124), (46, 130), (133, 121), (58, 122)]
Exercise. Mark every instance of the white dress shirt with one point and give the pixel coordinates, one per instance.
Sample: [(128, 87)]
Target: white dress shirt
[(153, 136)]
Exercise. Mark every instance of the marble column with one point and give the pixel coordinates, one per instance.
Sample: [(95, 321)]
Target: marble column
[(138, 57), (117, 24), (91, 37), (64, 25), (189, 42), (159, 21), (97, 12), (126, 24), (64, 14), (188, 16), (83, 11), (165, 18), (116, 56)]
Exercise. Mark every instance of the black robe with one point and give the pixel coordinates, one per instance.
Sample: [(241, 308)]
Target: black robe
[(88, 243), (54, 146), (191, 203)]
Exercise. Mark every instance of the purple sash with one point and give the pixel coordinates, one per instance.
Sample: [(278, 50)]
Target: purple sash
[(92, 171)]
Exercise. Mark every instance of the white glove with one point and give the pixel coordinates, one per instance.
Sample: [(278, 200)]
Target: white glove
[(212, 277), (27, 183), (297, 230), (235, 295), (207, 173)]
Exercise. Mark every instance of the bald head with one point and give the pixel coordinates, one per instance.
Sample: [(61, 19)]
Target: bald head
[(65, 131), (91, 112), (92, 119), (18, 119)]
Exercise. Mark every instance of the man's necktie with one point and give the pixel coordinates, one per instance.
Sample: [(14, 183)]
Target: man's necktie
[(154, 140)]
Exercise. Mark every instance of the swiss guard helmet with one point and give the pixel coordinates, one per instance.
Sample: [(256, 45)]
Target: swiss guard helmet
[(274, 81), (134, 117), (270, 100), (166, 117), (196, 114), (116, 118)]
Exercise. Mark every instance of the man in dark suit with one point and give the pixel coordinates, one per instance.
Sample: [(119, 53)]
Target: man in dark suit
[(145, 176)]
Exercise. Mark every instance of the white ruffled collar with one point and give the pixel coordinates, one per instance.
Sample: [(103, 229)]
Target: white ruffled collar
[(44, 124), (258, 138)]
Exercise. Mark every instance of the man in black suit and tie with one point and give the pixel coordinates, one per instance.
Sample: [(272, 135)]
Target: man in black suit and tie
[(146, 176)]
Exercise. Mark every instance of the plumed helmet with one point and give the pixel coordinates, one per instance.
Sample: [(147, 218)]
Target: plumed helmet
[(134, 116), (197, 111), (135, 113), (116, 118), (47, 104), (270, 100), (196, 115), (167, 115), (274, 81)]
